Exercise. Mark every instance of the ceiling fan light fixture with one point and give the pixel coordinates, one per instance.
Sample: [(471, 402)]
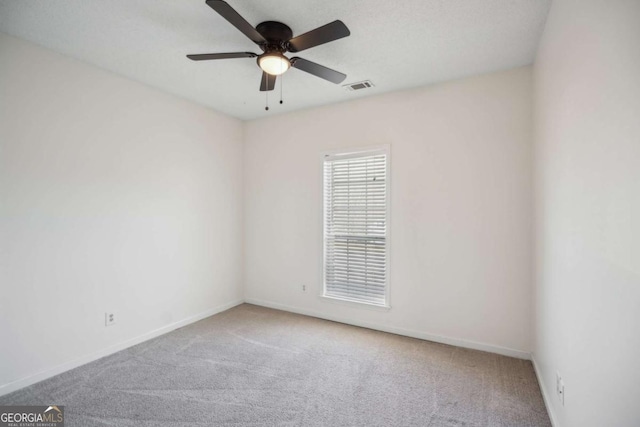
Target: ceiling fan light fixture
[(274, 63), (275, 39)]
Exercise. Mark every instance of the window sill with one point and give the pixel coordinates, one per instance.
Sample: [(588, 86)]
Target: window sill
[(355, 303)]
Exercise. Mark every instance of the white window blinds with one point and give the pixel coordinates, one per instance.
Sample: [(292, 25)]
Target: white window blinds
[(355, 227)]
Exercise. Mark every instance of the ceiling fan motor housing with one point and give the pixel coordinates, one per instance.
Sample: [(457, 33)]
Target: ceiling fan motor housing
[(277, 35)]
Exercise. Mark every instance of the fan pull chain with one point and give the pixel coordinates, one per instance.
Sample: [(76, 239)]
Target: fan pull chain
[(281, 83), (266, 78)]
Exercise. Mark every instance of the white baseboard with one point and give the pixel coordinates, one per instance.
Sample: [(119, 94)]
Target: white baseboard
[(398, 331), (24, 382), (543, 389), (32, 379)]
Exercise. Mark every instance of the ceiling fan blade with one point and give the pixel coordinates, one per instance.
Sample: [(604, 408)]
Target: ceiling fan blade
[(208, 56), (318, 70), (234, 18), (268, 82), (321, 35)]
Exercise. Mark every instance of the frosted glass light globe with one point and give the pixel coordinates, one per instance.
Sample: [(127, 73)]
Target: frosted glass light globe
[(274, 63)]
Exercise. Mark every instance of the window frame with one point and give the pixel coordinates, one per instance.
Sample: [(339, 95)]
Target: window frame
[(346, 153)]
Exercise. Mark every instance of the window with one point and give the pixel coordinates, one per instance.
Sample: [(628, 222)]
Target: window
[(356, 207)]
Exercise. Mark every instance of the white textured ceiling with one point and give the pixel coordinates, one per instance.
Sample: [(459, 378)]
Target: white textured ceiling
[(396, 45)]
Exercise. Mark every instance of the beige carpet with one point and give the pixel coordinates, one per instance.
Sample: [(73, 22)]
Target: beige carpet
[(262, 367)]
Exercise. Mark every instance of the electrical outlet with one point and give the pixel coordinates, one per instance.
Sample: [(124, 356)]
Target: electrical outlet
[(560, 388), (109, 319), (304, 288)]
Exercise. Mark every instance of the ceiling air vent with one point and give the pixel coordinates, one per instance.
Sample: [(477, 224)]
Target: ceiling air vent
[(351, 87)]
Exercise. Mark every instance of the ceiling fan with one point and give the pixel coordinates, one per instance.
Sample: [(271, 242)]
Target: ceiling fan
[(275, 39)]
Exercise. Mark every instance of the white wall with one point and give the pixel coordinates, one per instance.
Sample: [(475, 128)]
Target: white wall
[(113, 196), (460, 209), (587, 179)]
